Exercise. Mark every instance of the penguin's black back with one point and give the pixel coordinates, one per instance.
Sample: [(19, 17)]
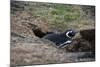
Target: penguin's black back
[(56, 38)]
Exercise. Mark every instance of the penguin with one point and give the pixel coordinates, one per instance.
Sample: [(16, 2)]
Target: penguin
[(61, 39)]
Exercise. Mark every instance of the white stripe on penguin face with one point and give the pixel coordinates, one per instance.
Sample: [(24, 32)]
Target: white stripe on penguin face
[(68, 33)]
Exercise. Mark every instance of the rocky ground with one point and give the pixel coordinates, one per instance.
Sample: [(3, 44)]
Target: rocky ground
[(28, 49)]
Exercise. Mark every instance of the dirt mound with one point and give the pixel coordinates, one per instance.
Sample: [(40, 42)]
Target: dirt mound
[(88, 34), (24, 53), (85, 43), (24, 23), (35, 50)]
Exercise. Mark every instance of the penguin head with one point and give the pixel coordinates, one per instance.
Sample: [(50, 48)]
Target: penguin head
[(70, 33)]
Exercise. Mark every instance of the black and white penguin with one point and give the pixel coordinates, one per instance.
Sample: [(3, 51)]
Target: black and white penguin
[(61, 39)]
